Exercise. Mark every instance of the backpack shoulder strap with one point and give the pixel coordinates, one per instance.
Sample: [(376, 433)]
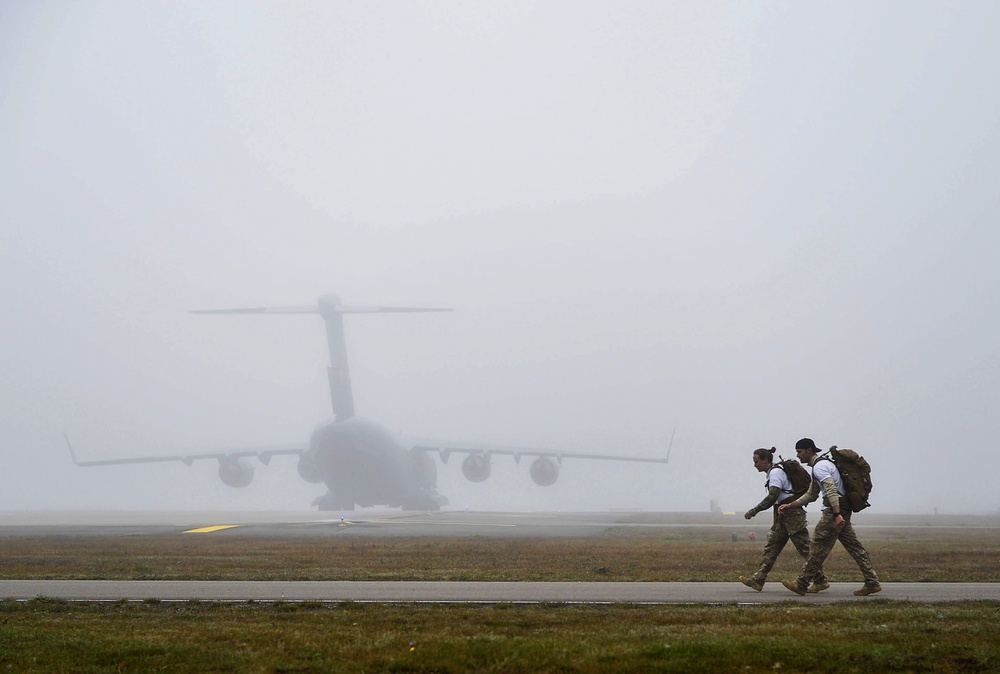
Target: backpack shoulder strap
[(781, 465)]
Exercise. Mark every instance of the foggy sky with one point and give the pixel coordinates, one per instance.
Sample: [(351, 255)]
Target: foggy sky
[(749, 222)]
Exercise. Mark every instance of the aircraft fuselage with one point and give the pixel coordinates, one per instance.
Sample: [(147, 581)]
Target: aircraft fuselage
[(362, 463)]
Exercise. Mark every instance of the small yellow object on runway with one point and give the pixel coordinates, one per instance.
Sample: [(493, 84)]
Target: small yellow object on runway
[(208, 530)]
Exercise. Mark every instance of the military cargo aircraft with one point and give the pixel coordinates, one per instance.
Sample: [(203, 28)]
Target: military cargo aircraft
[(360, 461)]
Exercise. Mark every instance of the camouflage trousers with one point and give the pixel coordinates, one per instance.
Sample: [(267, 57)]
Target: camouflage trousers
[(824, 538), (789, 526)]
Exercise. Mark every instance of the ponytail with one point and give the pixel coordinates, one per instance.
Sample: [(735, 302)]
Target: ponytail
[(765, 454)]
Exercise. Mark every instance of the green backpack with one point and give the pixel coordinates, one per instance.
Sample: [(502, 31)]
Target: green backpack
[(797, 475), (856, 475)]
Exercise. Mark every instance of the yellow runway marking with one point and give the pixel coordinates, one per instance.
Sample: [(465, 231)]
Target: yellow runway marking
[(208, 530)]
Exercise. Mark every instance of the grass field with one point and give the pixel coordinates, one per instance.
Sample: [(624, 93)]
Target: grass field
[(45, 635), (641, 555), (875, 636)]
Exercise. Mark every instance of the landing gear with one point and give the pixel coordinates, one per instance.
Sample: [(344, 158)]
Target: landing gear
[(329, 502), (423, 505), (432, 502)]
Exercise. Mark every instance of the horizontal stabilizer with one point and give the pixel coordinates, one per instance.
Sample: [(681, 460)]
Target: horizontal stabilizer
[(328, 305), (260, 310), (340, 309)]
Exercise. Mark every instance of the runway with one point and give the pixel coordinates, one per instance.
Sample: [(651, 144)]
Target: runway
[(479, 592), (385, 523), (304, 524)]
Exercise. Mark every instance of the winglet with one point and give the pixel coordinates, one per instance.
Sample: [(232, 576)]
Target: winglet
[(671, 445), (71, 452)]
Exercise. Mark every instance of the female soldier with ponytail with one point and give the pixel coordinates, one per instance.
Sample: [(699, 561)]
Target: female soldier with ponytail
[(788, 525)]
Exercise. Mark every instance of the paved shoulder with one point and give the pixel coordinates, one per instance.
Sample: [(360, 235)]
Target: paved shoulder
[(528, 592)]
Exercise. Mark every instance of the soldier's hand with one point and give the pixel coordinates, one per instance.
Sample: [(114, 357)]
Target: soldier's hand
[(749, 514)]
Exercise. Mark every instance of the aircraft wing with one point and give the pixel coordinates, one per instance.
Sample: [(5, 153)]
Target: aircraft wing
[(446, 449), (264, 453)]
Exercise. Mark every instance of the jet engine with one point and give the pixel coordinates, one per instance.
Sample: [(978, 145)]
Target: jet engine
[(235, 472), (308, 470), (476, 467), (544, 471)]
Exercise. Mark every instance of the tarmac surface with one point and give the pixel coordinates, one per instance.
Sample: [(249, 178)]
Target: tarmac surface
[(377, 523), (460, 523), (480, 592)]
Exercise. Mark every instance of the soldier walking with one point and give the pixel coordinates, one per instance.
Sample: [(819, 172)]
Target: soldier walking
[(834, 525), (784, 527)]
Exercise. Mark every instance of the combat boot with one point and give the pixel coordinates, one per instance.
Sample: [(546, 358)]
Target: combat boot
[(867, 589), (818, 587), (795, 586), (751, 583)]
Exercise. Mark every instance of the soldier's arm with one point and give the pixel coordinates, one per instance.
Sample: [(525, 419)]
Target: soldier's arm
[(772, 497), (830, 489), (811, 495)]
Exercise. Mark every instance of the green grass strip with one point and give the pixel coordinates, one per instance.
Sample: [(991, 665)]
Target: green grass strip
[(45, 635)]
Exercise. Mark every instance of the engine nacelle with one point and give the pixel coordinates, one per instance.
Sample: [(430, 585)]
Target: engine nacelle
[(308, 471), (476, 467), (235, 472), (544, 471)]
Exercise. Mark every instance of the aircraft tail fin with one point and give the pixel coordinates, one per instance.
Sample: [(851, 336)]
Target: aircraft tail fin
[(332, 311)]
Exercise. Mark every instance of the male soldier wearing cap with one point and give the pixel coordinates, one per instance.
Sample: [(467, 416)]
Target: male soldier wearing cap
[(834, 525)]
